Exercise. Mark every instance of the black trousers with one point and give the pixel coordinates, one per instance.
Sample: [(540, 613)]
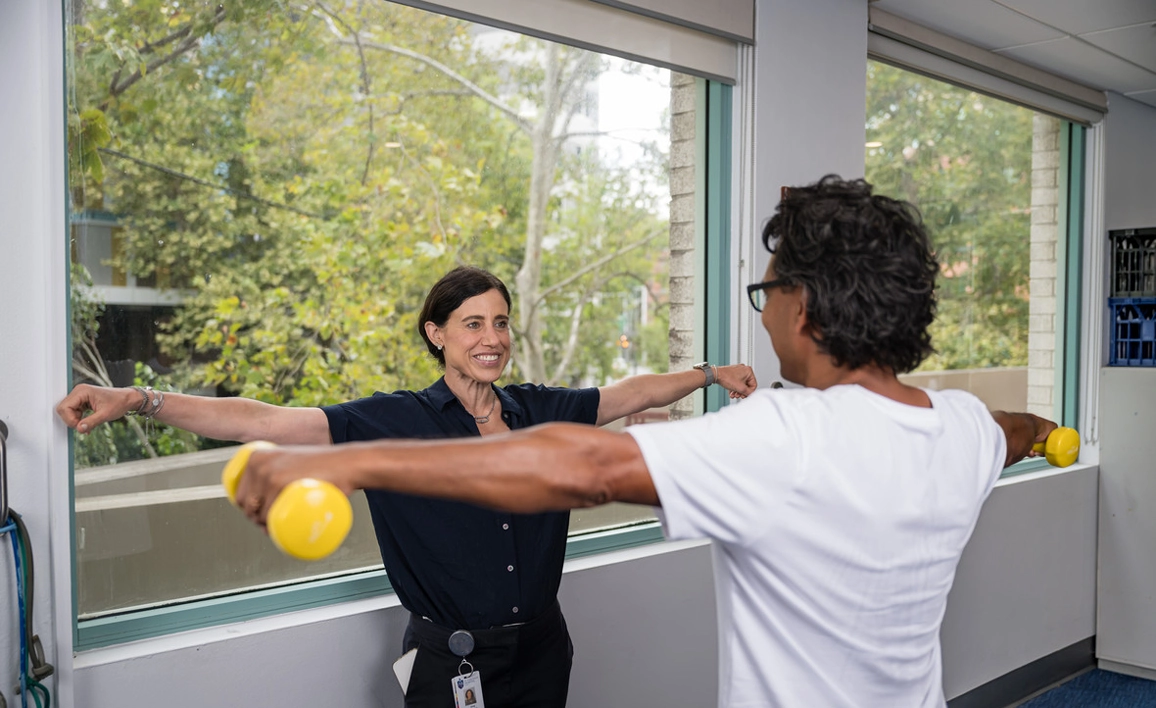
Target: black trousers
[(525, 666)]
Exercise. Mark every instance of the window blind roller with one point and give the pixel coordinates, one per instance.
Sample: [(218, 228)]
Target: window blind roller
[(733, 19), (901, 42), (600, 27)]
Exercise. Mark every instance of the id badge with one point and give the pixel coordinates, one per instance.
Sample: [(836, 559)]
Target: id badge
[(468, 690)]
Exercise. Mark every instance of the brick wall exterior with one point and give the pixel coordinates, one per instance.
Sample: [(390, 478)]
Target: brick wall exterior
[(682, 241), (1045, 235)]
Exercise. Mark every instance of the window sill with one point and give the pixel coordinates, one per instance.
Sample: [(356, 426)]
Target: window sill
[(1038, 469)]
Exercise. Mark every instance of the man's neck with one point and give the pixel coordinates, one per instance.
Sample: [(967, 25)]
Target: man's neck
[(872, 377)]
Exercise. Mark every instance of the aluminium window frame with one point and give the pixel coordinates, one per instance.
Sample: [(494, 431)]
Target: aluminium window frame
[(1069, 248), (712, 180), (907, 45), (1069, 267)]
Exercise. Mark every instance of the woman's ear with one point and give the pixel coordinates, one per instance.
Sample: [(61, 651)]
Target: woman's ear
[(434, 333)]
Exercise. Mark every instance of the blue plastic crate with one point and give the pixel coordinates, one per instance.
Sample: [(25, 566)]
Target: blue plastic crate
[(1133, 331)]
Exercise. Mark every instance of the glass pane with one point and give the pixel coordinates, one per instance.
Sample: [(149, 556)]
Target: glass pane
[(261, 196), (985, 174)]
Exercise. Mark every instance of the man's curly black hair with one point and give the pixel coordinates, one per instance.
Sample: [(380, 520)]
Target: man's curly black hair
[(868, 268)]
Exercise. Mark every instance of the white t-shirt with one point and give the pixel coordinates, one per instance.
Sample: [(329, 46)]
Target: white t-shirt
[(839, 518)]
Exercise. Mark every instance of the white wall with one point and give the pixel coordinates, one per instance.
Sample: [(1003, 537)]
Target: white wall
[(643, 624), (32, 315), (1129, 164), (810, 102), (1026, 584), (1127, 573), (1126, 617)]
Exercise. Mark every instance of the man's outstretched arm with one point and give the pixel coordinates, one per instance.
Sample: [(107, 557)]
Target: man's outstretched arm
[(556, 466), (1022, 430)]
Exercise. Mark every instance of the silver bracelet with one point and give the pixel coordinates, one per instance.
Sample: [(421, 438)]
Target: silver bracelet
[(144, 402), (161, 404), (151, 403)]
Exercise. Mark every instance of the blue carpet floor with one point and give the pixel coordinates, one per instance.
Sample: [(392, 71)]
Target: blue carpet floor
[(1098, 689)]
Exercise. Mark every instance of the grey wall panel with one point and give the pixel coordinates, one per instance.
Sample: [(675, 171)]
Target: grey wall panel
[(639, 625), (1026, 584), (1127, 412), (642, 623), (1130, 164), (810, 100), (1127, 611)]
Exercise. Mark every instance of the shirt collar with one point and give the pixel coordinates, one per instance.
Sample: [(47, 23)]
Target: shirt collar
[(441, 396)]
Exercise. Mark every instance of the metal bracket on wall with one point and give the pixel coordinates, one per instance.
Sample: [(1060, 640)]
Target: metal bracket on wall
[(3, 473)]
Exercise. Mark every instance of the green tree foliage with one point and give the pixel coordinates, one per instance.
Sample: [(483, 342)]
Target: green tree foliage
[(965, 160), (124, 439), (303, 173)]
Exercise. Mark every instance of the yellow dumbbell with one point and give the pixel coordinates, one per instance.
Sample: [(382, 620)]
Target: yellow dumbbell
[(309, 518), (1062, 447)]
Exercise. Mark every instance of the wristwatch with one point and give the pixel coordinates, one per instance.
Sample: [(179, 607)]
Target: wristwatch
[(708, 371)]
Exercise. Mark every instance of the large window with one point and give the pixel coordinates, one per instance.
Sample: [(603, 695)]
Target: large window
[(261, 196), (989, 178)]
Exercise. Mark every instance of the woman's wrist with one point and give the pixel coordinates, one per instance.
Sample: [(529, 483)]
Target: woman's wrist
[(135, 400), (152, 401)]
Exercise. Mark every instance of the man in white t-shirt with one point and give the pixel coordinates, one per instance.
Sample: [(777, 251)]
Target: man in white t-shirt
[(839, 509)]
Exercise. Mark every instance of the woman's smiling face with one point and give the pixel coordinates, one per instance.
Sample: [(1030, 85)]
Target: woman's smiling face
[(476, 338)]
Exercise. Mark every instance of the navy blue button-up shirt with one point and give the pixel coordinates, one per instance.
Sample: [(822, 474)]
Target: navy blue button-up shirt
[(462, 566)]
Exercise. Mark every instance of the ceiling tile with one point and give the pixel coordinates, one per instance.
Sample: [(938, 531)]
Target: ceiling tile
[(1080, 16), (1148, 97), (1085, 64), (979, 22), (1136, 44)]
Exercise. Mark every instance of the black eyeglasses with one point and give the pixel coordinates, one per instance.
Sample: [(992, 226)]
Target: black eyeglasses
[(757, 292)]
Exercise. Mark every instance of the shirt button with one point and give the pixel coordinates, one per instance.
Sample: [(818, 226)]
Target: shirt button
[(505, 527), (510, 568), (515, 610)]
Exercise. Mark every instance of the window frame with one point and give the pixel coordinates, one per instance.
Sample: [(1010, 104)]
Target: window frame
[(1069, 250), (1069, 267), (713, 197)]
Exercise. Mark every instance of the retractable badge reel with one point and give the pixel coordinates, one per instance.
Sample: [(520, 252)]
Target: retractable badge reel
[(467, 685)]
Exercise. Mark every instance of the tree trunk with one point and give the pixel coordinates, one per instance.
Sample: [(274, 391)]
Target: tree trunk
[(528, 282)]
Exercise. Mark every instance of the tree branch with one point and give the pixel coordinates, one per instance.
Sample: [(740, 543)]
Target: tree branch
[(99, 373), (563, 137), (436, 191), (212, 185), (151, 47), (594, 266), (365, 89), (434, 92), (572, 336), (581, 71), (471, 86), (118, 87)]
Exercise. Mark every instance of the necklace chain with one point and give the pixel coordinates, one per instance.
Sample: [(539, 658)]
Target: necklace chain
[(483, 419)]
